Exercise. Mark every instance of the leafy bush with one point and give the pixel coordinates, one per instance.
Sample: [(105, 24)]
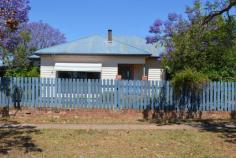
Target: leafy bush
[(22, 72), (234, 79), (222, 75), (34, 72), (188, 80), (17, 72)]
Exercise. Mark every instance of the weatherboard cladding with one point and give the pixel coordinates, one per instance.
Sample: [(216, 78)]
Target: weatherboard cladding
[(98, 45)]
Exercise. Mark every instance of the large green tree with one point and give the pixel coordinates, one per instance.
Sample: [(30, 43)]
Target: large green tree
[(209, 49)]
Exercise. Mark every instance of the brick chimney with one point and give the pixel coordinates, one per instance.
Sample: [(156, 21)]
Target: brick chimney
[(109, 36)]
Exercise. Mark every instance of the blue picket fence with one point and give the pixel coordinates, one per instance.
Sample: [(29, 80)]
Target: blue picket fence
[(112, 94)]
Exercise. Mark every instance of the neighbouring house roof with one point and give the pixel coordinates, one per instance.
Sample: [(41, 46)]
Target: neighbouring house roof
[(1, 63), (99, 45), (34, 56), (1, 60)]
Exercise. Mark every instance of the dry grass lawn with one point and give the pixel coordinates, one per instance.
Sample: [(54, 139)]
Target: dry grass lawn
[(213, 139), (55, 143)]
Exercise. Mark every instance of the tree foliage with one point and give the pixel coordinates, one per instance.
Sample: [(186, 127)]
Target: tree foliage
[(23, 72), (218, 8), (33, 36), (188, 80), (19, 38), (209, 49), (43, 35), (188, 85), (12, 14), (21, 53)]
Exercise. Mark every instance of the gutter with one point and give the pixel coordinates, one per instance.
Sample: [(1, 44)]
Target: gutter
[(104, 54)]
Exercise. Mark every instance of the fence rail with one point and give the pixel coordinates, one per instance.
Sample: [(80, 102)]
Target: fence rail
[(113, 94)]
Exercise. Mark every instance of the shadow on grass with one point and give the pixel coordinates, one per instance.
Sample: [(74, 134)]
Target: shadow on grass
[(8, 121), (17, 137), (227, 128)]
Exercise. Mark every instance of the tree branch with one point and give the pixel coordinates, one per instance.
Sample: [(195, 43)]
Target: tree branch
[(212, 15)]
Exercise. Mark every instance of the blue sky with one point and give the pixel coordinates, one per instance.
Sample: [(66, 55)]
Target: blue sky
[(78, 18)]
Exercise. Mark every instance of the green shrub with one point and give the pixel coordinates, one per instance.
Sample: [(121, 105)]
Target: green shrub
[(188, 80), (234, 79), (16, 72), (22, 72), (222, 75), (34, 72)]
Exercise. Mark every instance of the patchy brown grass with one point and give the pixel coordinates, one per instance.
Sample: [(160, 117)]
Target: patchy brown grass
[(113, 143), (73, 119), (76, 117)]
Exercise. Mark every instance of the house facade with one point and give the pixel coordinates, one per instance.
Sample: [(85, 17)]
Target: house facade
[(98, 57)]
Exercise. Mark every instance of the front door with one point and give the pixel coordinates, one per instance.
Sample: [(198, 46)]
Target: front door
[(126, 71)]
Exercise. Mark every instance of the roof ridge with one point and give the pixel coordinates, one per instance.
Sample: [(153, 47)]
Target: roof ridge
[(114, 39), (136, 36)]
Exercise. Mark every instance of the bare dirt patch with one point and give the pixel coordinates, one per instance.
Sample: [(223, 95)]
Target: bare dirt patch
[(90, 116)]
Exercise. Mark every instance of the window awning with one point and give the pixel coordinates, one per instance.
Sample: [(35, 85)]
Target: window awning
[(81, 67)]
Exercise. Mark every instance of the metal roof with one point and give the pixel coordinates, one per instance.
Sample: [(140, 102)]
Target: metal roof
[(34, 57), (99, 45), (155, 49)]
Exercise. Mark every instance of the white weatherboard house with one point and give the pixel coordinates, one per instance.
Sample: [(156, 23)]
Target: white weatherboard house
[(98, 57)]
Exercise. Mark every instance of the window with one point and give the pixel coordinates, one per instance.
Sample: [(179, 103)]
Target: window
[(78, 75)]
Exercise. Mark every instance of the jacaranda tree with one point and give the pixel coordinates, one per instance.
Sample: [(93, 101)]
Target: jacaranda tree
[(209, 48), (12, 14), (199, 47), (43, 35), (33, 36)]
